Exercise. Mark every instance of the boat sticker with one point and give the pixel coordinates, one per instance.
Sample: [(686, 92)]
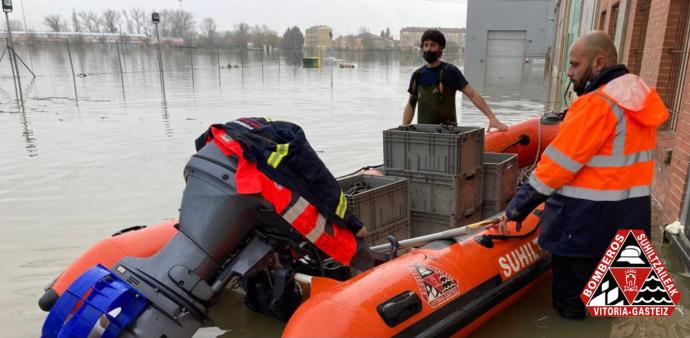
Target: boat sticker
[(435, 285), (630, 280), (519, 258)]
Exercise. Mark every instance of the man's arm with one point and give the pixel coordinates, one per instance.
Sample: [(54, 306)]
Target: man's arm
[(481, 104), (580, 137), (408, 113)]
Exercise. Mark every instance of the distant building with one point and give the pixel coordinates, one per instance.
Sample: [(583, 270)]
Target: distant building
[(507, 41), (410, 37), (318, 39), (364, 41)]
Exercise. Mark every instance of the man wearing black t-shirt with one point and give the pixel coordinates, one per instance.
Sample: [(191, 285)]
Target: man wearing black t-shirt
[(434, 85)]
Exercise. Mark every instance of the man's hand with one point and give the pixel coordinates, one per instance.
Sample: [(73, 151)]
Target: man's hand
[(501, 222), (362, 232), (496, 124)]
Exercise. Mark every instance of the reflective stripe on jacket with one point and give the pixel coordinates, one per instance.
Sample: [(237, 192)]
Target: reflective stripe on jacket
[(597, 171), (336, 241), (604, 150)]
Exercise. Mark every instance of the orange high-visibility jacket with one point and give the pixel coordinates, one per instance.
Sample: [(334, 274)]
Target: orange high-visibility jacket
[(604, 149), (597, 173)]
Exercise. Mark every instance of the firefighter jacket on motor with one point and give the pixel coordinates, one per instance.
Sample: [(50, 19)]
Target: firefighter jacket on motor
[(276, 161)]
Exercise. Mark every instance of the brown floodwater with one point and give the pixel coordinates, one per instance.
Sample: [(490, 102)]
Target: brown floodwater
[(73, 171)]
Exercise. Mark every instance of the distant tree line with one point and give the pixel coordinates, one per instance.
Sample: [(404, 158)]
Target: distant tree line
[(174, 23)]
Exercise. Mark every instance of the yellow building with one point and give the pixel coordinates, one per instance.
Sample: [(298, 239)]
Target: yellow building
[(318, 39)]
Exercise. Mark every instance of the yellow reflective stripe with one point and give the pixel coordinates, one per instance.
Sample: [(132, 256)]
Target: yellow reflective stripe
[(342, 206), (277, 156)]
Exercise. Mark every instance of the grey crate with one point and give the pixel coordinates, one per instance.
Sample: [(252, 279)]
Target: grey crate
[(428, 148), (423, 223), (453, 196), (399, 229), (500, 176), (491, 208), (384, 203)]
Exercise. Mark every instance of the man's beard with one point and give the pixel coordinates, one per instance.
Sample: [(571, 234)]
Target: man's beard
[(580, 86)]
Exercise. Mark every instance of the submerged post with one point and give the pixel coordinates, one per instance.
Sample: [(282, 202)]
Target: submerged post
[(218, 60), (7, 8), (74, 77), (155, 18), (119, 63), (191, 64), (262, 65)]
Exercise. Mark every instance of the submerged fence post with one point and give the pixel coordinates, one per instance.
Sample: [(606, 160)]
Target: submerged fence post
[(191, 64), (74, 77), (158, 49), (119, 63), (262, 65), (218, 60), (13, 57)]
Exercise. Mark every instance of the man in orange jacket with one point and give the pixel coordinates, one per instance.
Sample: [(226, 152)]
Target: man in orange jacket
[(596, 174)]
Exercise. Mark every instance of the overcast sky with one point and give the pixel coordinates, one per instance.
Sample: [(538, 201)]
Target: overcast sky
[(345, 16)]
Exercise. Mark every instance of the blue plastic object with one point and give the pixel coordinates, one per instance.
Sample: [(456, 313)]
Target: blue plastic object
[(94, 294)]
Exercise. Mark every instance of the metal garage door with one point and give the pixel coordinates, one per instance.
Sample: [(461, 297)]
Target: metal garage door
[(505, 52)]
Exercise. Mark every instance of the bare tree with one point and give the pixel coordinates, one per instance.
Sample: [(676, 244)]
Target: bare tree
[(209, 31), (111, 19), (76, 24), (178, 24), (55, 22), (139, 21), (90, 22), (241, 35)]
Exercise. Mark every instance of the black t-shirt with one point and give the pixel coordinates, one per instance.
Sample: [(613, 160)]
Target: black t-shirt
[(452, 77)]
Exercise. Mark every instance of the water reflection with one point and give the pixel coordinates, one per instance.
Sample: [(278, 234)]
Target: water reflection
[(28, 133)]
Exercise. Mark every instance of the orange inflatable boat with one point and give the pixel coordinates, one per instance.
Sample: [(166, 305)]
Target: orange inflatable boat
[(446, 287)]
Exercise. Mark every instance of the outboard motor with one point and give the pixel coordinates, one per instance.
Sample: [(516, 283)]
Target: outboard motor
[(222, 235)]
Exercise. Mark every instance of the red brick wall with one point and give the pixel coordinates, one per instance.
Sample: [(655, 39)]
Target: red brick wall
[(635, 35), (654, 41), (672, 40), (670, 182)]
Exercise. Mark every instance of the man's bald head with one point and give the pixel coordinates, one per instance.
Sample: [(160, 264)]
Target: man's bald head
[(589, 55), (598, 43)]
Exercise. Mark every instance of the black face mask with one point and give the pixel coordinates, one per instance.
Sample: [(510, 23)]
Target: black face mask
[(431, 57)]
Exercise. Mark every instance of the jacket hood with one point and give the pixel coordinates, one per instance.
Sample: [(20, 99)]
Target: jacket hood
[(640, 102)]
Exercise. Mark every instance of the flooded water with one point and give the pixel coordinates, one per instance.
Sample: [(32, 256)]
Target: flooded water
[(73, 171)]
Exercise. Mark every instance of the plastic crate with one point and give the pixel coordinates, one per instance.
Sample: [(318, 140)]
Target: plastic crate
[(427, 223), (453, 196), (383, 203), (500, 176), (491, 208), (399, 229), (429, 148)]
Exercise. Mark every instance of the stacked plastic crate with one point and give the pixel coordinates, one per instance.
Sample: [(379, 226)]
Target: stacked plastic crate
[(443, 166), (500, 182), (381, 203)]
